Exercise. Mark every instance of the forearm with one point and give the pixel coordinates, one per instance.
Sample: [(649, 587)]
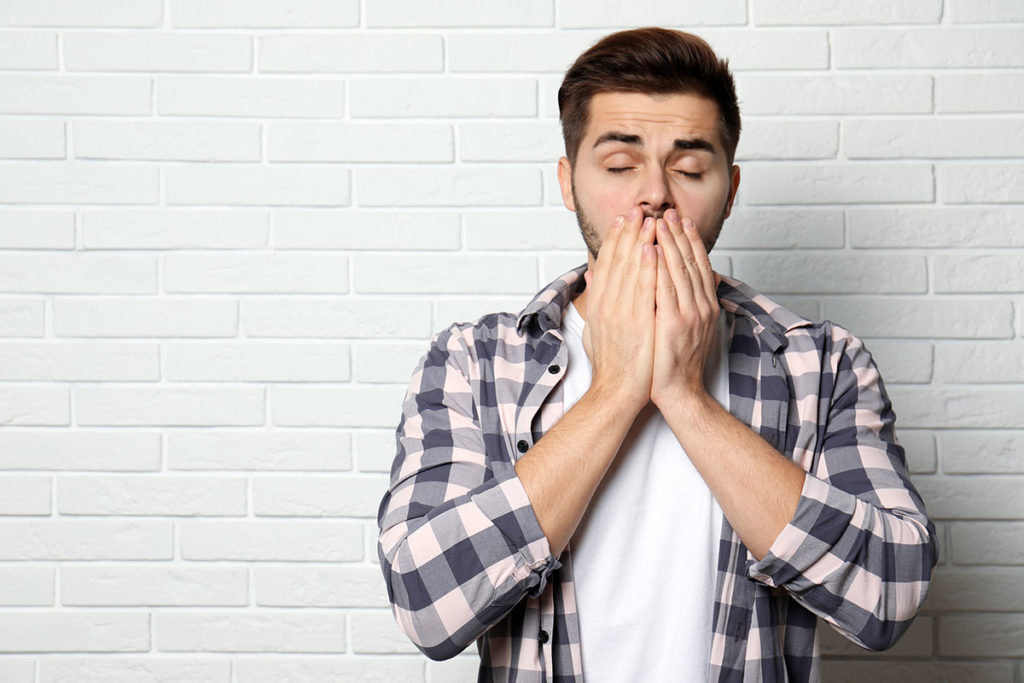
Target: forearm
[(757, 487), (562, 471)]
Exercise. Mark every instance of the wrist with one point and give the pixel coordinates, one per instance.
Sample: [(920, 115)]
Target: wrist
[(683, 399), (615, 401)]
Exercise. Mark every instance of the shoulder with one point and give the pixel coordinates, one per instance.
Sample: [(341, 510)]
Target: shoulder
[(463, 344)]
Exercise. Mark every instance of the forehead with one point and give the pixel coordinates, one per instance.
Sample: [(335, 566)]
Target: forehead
[(676, 115)]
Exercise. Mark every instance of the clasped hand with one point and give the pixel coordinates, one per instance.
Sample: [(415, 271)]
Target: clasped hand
[(651, 311)]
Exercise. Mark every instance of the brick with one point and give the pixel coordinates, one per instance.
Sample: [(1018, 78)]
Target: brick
[(126, 13), (184, 407), (256, 273), (749, 228), (161, 228), (452, 13), (920, 450), (75, 95), (275, 451), (554, 51), (903, 361), (74, 632), (34, 406), (831, 12), (387, 362), (358, 230), (890, 671), (938, 227), (249, 96), (79, 450), (832, 273), (987, 543), (581, 14), (79, 361), (944, 407), (257, 362), (354, 586), (264, 14), (355, 142), (332, 670), (469, 309), (461, 668), (788, 139), (375, 632), (31, 139), (167, 140), (28, 50), (74, 273), (918, 138), (147, 495), (350, 53), (337, 318), (86, 540), (148, 668), (923, 318), (982, 635), (30, 229), (446, 186), (350, 406), (272, 541), (763, 49), (375, 450), (17, 670), (977, 273), (972, 497), (77, 183), (23, 317), (442, 97), (27, 587), (149, 51), (972, 363), (530, 230), (444, 273), (540, 141), (25, 495), (967, 452), (848, 183), (846, 95), (983, 589), (555, 265), (348, 496), (984, 11), (255, 185), (916, 642), (957, 93), (937, 48), (154, 586), (237, 632), (144, 317)]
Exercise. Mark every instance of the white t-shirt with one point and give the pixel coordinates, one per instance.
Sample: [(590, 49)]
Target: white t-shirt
[(644, 556)]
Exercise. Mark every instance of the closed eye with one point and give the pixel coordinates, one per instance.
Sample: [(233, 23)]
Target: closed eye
[(622, 169)]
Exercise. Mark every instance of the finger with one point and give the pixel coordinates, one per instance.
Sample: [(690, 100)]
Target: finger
[(631, 249), (666, 290), (681, 281), (689, 259), (703, 261), (624, 249), (645, 298)]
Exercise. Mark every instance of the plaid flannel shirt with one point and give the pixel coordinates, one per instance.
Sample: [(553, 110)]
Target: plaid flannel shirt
[(465, 560)]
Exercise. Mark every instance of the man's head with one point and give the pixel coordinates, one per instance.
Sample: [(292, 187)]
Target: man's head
[(650, 119)]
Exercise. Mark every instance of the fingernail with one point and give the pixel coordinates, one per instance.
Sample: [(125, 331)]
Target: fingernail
[(688, 223), (618, 221), (672, 215), (634, 213), (648, 223)]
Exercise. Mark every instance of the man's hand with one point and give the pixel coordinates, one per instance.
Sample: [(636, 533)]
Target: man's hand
[(687, 312), (619, 335)]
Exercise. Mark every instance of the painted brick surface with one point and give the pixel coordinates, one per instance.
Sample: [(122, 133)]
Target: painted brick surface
[(229, 229)]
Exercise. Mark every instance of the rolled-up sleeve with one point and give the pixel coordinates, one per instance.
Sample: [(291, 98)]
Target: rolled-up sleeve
[(459, 543), (860, 548)]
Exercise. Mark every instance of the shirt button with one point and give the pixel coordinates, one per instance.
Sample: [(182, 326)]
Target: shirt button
[(522, 446), (555, 369), (543, 637)]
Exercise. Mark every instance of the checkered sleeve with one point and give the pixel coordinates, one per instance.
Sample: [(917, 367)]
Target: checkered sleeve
[(459, 543), (860, 548)]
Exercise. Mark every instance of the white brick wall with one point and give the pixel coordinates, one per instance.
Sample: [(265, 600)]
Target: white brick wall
[(228, 228)]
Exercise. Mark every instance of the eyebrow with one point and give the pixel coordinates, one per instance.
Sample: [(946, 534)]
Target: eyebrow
[(678, 144)]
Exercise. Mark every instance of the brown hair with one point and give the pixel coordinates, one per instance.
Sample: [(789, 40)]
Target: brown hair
[(654, 61)]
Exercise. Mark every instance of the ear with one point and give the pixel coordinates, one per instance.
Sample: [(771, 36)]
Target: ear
[(565, 183), (734, 185)]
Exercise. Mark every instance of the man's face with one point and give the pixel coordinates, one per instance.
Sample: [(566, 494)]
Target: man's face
[(654, 153)]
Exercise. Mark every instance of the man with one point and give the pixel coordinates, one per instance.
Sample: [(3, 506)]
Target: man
[(652, 472)]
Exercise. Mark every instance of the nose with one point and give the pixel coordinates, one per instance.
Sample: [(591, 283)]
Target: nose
[(654, 196)]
